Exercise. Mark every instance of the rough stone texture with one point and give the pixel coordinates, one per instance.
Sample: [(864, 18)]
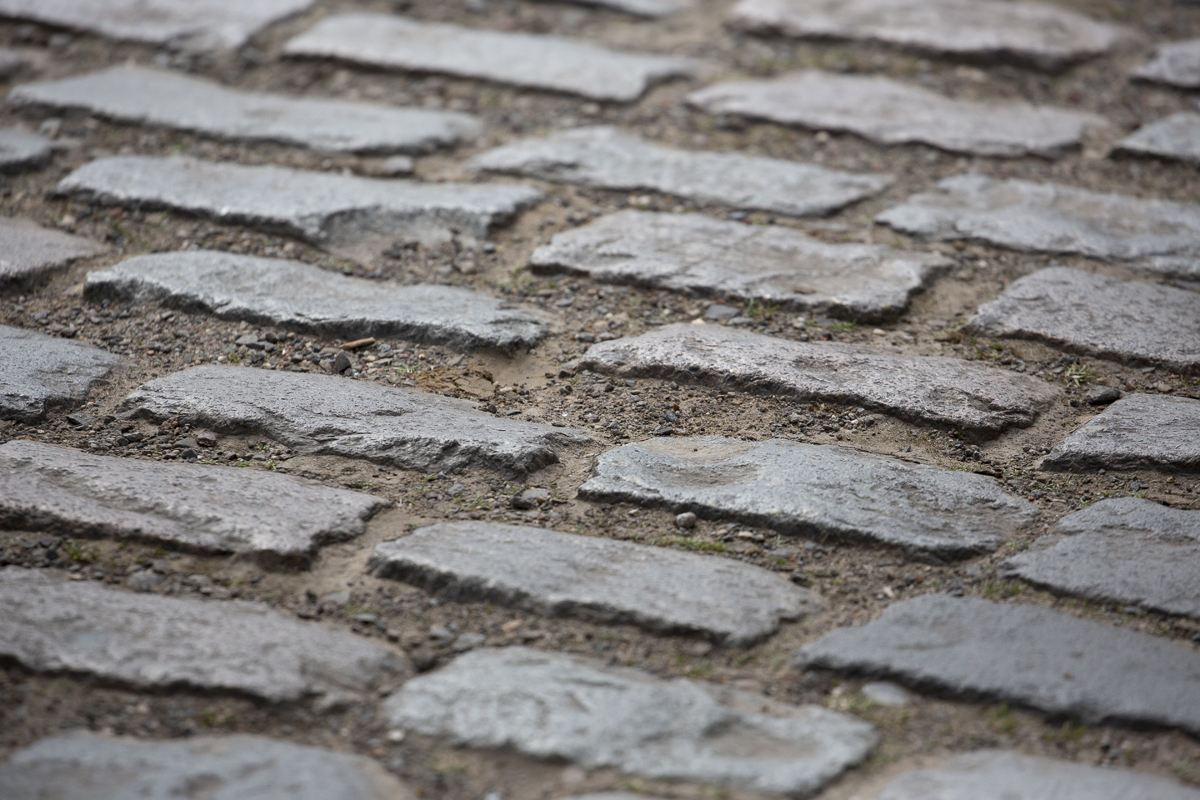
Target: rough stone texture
[(39, 372), (1156, 235), (550, 705), (653, 9), (694, 252), (144, 96), (28, 251), (1175, 63), (1127, 551), (1026, 655), (19, 149), (343, 213), (1098, 316), (1176, 137), (299, 296), (49, 624), (1045, 35), (1001, 775), (606, 158), (552, 63), (329, 415), (564, 574), (1142, 431), (942, 391), (87, 766), (891, 112), (195, 24), (200, 508), (815, 491)]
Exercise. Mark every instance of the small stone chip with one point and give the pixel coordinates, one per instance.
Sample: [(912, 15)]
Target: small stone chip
[(30, 251), (1175, 138), (1175, 64), (19, 150), (39, 372), (1142, 431)]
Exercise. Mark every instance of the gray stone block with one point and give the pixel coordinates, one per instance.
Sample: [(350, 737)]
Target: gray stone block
[(815, 491), (891, 112), (200, 508), (696, 253), (606, 158), (1025, 655), (1156, 235), (1099, 316), (299, 296), (30, 251), (1175, 64), (51, 625), (1047, 36), (533, 61), (1142, 431), (1126, 550), (550, 705), (565, 574), (939, 391), (19, 150), (1176, 138), (38, 373), (329, 415)]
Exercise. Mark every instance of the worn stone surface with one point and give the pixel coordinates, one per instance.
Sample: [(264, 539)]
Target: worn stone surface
[(1026, 655), (694, 252), (328, 415), (1176, 137), (28, 251), (343, 213), (201, 508), (1156, 235), (606, 158), (49, 624), (195, 24), (1098, 316), (1124, 550), (653, 9), (39, 372), (19, 149), (553, 63), (1002, 775), (891, 112), (143, 96), (1045, 35), (88, 766), (816, 491), (942, 391), (1142, 431), (1174, 63), (299, 296), (565, 574), (11, 61), (551, 705)]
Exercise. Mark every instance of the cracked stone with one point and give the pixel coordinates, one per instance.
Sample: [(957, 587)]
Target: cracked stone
[(1142, 431), (1176, 137), (30, 251), (39, 372), (1174, 63)]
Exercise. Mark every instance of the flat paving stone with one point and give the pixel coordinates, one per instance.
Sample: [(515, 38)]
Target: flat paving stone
[(346, 214), (52, 625), (551, 705), (534, 61), (815, 491), (291, 294), (195, 25), (565, 574), (940, 391), (1098, 316), (39, 373), (31, 251), (696, 253), (206, 509), (607, 158), (88, 766), (329, 415), (1002, 775), (892, 112), (1175, 64), (1023, 655), (652, 9), (1156, 235), (1141, 431), (1045, 35), (152, 97), (19, 149), (1125, 550), (1176, 138)]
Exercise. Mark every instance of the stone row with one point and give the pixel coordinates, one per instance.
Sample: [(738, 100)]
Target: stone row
[(39, 373), (1142, 431), (19, 150), (1175, 64), (31, 251), (1175, 137)]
